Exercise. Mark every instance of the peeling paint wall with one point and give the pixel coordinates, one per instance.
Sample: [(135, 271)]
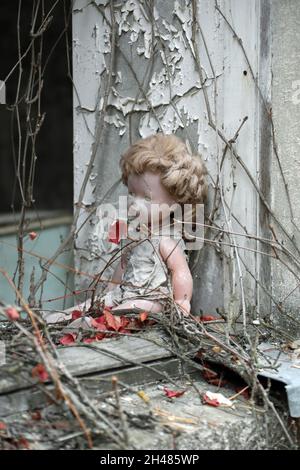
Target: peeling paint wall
[(286, 115), (156, 86)]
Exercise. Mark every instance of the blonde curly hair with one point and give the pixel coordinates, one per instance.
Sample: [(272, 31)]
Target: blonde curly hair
[(182, 173)]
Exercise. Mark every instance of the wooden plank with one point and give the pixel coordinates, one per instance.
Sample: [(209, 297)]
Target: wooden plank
[(114, 354), (96, 384), (81, 360)]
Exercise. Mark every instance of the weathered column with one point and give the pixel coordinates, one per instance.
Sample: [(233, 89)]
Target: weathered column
[(286, 161)]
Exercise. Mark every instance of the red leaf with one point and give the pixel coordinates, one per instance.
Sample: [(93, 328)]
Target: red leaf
[(32, 235), (210, 402), (108, 309), (209, 318), (90, 340), (2, 426), (97, 337), (124, 322), (23, 443), (68, 339), (143, 316), (100, 336), (36, 415), (12, 313), (118, 322), (40, 372), (98, 321), (173, 394), (117, 230), (123, 330), (110, 320), (76, 314), (99, 326)]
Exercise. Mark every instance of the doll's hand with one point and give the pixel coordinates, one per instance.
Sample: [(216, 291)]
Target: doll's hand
[(185, 306)]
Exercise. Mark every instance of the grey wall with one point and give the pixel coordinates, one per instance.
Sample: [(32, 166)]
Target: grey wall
[(286, 115)]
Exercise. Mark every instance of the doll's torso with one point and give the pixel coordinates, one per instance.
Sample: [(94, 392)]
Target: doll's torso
[(146, 275)]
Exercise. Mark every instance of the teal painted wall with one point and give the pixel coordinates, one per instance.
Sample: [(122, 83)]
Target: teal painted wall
[(45, 244)]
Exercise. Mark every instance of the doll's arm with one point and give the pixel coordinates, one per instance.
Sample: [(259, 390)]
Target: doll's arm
[(182, 281)]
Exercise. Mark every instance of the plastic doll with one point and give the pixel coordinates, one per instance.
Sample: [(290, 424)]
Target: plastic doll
[(158, 171)]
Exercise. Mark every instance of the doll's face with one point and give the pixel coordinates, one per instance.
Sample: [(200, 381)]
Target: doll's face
[(146, 191)]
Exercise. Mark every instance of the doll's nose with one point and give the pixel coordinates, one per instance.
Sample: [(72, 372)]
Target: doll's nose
[(137, 207)]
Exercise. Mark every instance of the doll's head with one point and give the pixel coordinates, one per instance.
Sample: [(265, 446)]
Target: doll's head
[(172, 173)]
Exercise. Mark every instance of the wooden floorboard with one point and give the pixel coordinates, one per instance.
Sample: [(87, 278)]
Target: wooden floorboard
[(81, 360), (124, 356)]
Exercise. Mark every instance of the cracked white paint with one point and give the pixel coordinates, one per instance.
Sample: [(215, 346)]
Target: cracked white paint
[(178, 65), (132, 18)]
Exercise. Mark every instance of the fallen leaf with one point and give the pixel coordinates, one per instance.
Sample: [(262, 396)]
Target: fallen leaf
[(36, 415), (90, 340), (110, 321), (235, 359), (32, 235), (211, 402), (143, 396), (209, 318), (124, 321), (124, 330), (12, 313), (98, 325), (100, 336), (76, 314), (213, 377), (118, 322), (40, 372), (216, 399), (99, 320), (173, 394), (97, 337), (23, 443), (107, 309), (68, 339), (143, 316), (216, 349), (117, 230)]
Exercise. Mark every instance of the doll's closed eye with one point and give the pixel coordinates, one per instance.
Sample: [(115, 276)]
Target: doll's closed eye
[(144, 196)]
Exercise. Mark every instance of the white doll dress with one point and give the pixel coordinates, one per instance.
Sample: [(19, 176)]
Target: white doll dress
[(146, 274)]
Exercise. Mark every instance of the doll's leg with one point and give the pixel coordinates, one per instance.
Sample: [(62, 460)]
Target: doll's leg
[(138, 304), (58, 317)]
